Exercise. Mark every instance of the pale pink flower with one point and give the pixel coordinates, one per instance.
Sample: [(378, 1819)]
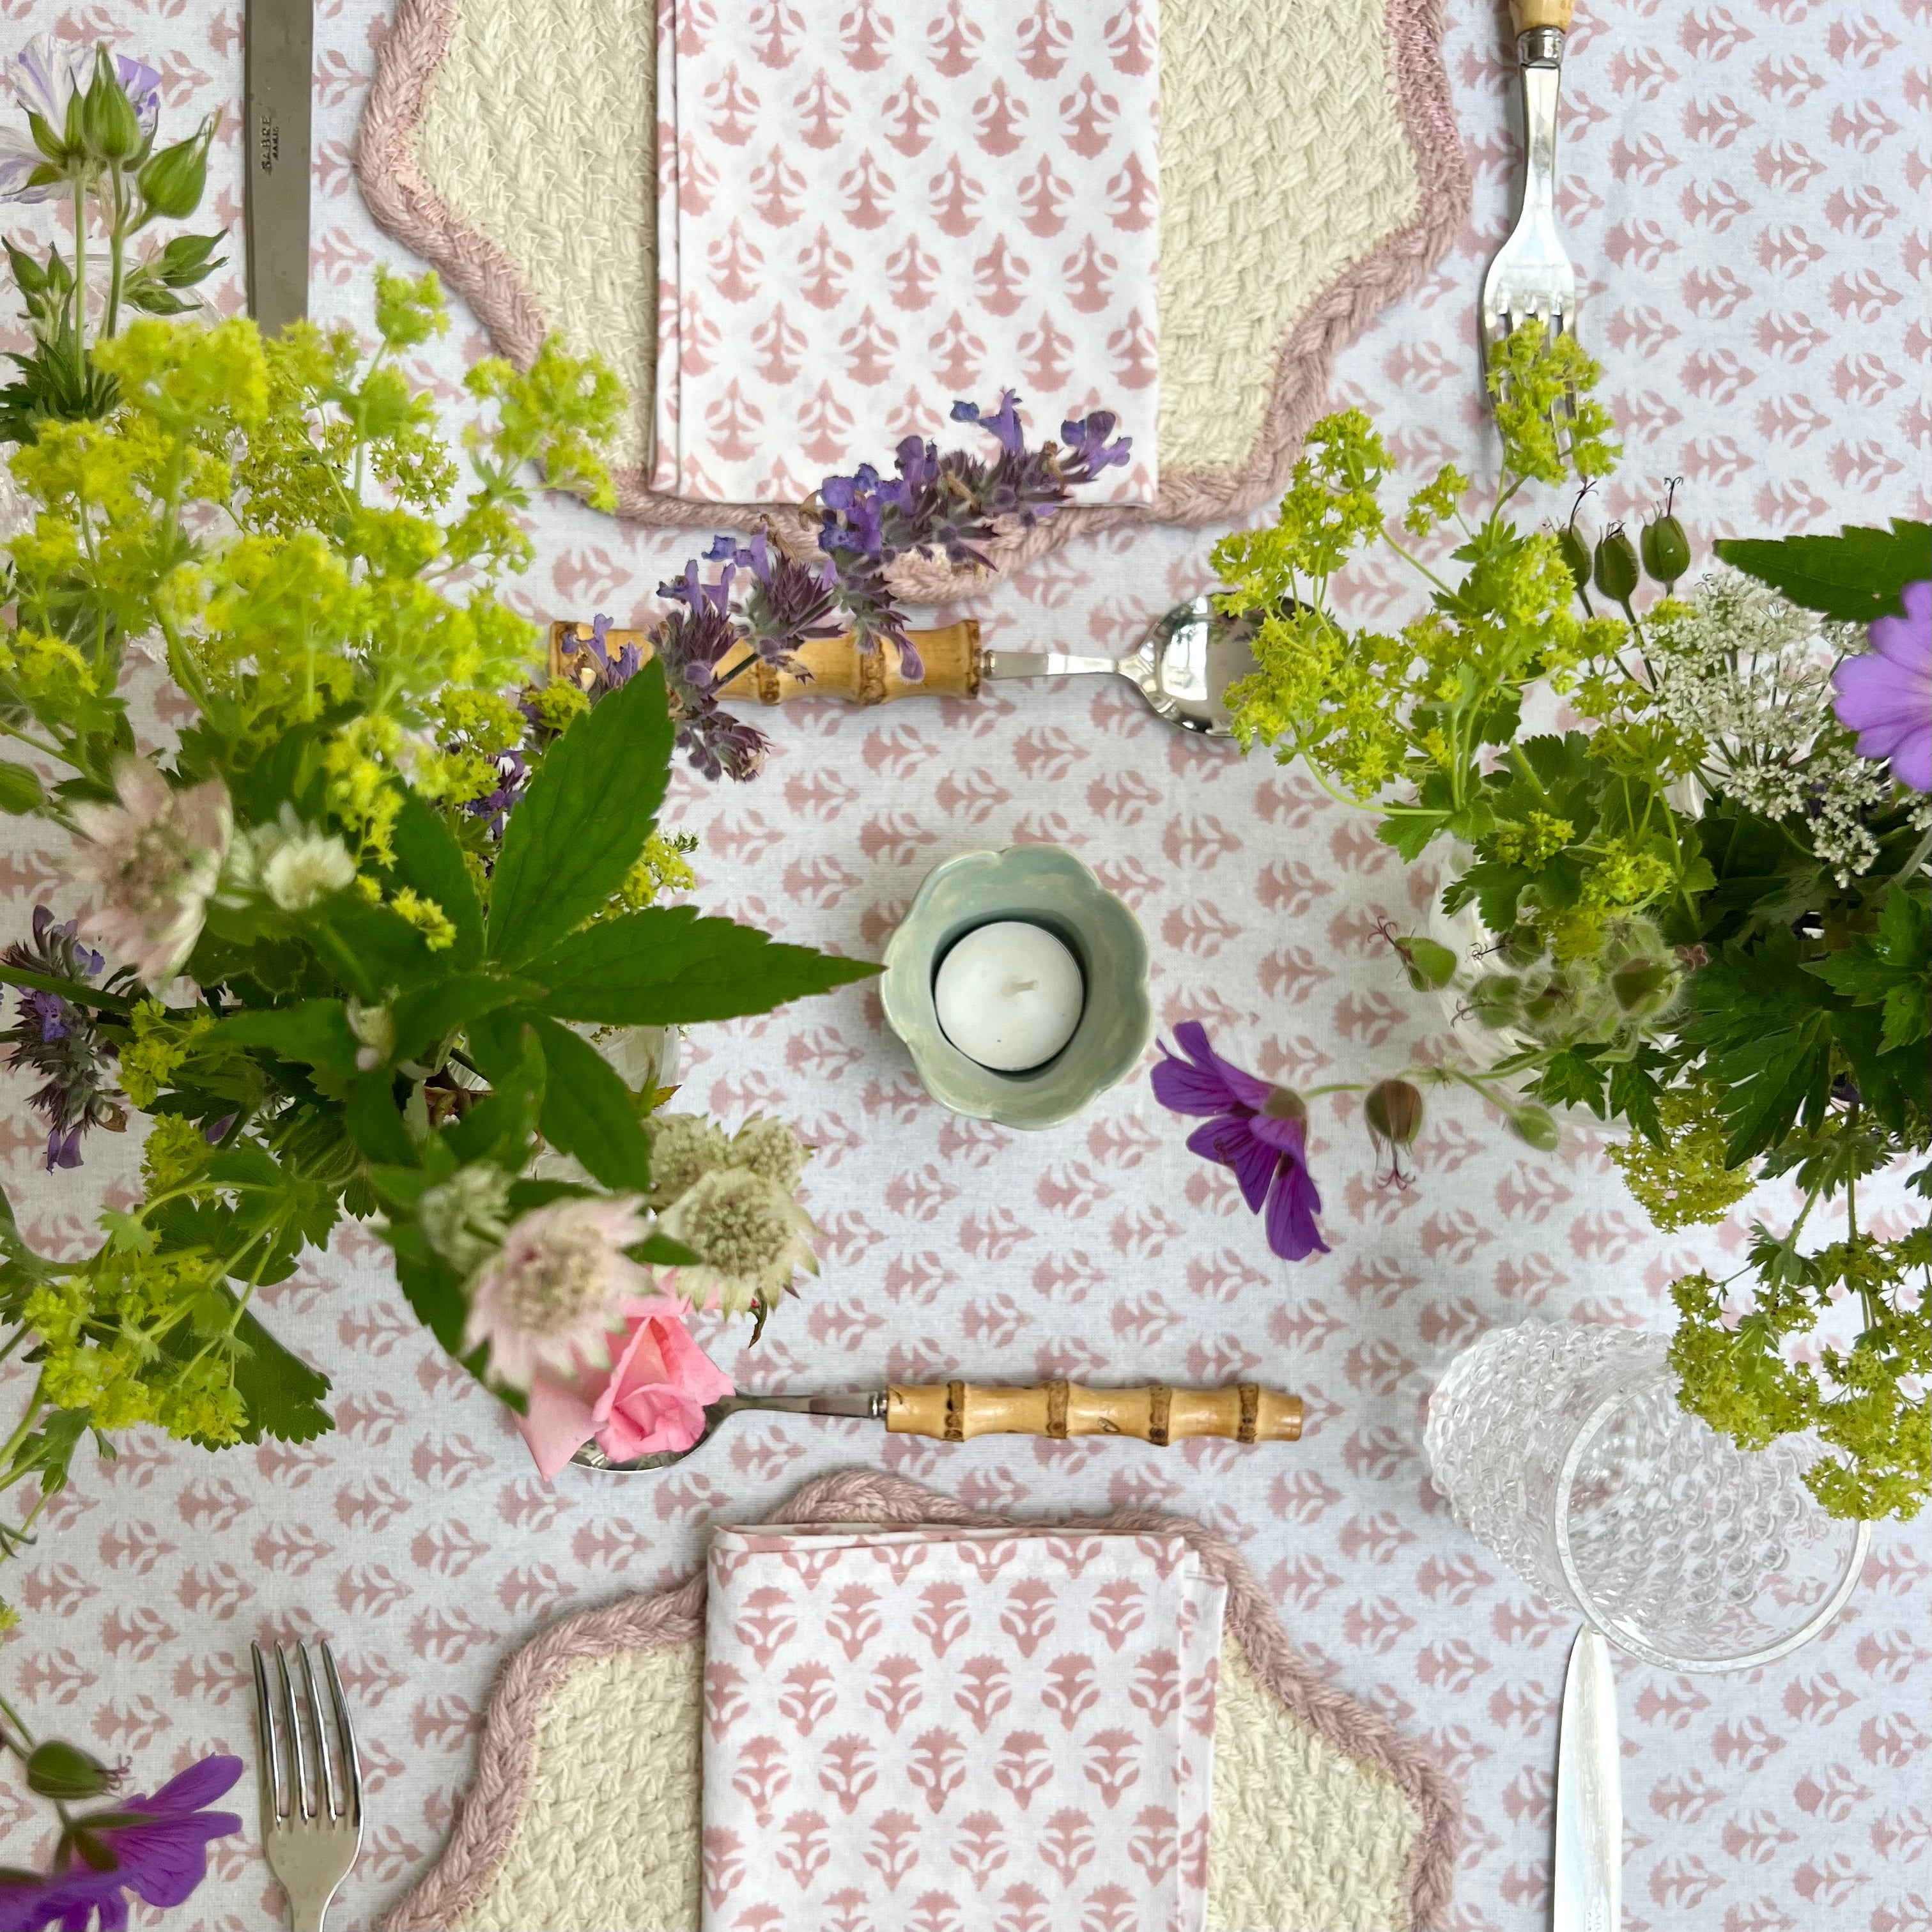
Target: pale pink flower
[(547, 1296), (651, 1398), (155, 858)]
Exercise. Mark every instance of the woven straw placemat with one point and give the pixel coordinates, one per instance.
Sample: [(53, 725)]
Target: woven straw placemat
[(585, 1811), (1311, 174)]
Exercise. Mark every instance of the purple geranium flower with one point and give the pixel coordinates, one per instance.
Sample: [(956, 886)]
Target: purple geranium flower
[(159, 1849), (1885, 696), (1259, 1130)]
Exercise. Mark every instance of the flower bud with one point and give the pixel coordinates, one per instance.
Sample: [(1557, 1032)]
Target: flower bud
[(109, 125), (173, 180), (1537, 1125), (1494, 999), (1429, 963), (1575, 554), (1666, 550), (1393, 1111), (68, 1774), (1616, 572), (1643, 988), (1522, 946)]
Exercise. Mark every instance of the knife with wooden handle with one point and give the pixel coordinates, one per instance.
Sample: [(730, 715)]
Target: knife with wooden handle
[(280, 61)]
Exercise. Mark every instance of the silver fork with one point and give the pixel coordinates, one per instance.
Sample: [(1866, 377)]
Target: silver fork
[(1530, 277), (311, 1824)]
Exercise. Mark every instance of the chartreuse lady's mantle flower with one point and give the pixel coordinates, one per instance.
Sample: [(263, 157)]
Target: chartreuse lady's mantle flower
[(1885, 696), (156, 859), (1258, 1130), (550, 1293)]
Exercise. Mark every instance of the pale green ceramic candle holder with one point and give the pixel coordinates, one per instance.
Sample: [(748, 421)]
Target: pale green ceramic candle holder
[(1051, 888)]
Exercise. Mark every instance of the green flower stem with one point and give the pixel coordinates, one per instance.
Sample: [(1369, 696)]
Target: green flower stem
[(80, 262), (25, 1428), (23, 1748), (117, 244)]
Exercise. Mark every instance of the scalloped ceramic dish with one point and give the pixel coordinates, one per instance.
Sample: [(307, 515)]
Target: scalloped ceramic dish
[(1051, 888)]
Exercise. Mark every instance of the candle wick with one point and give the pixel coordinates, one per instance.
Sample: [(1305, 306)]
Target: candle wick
[(1021, 985)]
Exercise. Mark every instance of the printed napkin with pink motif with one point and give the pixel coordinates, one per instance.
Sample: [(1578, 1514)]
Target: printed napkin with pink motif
[(977, 1730), (866, 211)]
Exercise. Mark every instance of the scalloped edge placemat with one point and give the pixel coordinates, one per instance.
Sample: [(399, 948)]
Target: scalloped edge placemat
[(1312, 174), (1326, 1819)]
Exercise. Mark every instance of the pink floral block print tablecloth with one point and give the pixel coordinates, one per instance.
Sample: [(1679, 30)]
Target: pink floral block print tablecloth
[(1745, 185)]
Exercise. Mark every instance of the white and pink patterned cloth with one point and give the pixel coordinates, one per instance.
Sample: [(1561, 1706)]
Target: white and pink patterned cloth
[(866, 211), (987, 1731)]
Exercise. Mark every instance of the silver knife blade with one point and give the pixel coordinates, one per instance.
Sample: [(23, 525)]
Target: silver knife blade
[(1587, 1887), (281, 39)]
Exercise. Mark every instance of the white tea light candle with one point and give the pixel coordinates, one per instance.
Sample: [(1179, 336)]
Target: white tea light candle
[(1010, 996)]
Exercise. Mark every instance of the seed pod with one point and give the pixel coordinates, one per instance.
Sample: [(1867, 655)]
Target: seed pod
[(1666, 550), (109, 125), (1393, 1111), (1615, 573), (1538, 1126), (1495, 999), (66, 1773), (1522, 946), (1575, 554), (1429, 963), (173, 180)]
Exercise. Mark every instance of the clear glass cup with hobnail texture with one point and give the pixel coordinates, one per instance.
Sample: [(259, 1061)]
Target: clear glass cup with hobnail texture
[(1563, 1450)]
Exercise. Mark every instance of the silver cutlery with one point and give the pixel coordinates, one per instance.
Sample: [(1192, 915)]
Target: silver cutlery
[(279, 35), (1531, 278), (1586, 1888), (957, 1411), (311, 1822)]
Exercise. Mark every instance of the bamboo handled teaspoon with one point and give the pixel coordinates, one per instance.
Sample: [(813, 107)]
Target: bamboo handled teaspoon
[(1183, 666), (958, 1412)]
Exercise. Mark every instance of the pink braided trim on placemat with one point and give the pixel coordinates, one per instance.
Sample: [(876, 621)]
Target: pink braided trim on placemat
[(487, 1821), (405, 205)]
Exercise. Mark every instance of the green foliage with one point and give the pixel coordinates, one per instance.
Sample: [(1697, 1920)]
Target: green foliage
[(1703, 963), (1857, 575)]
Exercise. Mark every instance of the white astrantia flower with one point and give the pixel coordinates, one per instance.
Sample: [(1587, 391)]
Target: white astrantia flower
[(467, 1216), (155, 858), (770, 1149), (1749, 675), (684, 1147), (552, 1292), (750, 1237), (294, 865), (375, 1030)]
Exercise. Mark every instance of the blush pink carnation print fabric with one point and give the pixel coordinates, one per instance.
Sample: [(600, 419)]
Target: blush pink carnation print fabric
[(998, 1729), (871, 210)]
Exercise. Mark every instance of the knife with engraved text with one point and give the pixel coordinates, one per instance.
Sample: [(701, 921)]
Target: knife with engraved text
[(281, 39), (1587, 1887)]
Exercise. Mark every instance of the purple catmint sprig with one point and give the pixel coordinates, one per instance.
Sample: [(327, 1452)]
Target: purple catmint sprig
[(954, 505), (57, 1039)]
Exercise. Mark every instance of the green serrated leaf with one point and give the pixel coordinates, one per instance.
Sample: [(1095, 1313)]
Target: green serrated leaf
[(423, 1017), (315, 1032), (589, 1112), (668, 967), (1857, 575), (21, 790), (429, 862), (577, 832)]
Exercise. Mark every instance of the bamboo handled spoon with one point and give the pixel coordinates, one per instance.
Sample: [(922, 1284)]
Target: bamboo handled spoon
[(957, 1411), (1183, 666)]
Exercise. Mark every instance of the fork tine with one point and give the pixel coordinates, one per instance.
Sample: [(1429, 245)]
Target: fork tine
[(351, 1759), (299, 1766), (326, 1791), (268, 1765)]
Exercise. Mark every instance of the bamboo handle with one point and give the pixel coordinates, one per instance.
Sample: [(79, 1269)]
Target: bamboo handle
[(838, 668), (956, 1411), (1530, 13)]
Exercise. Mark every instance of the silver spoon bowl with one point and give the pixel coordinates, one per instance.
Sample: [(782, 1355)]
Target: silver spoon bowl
[(1183, 667)]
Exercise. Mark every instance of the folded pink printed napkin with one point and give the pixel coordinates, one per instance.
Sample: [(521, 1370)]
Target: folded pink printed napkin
[(990, 1731), (867, 210)]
